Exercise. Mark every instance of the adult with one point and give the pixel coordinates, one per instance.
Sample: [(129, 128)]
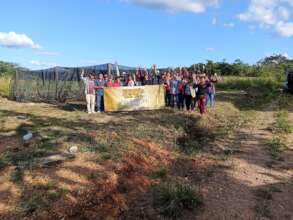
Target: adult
[(212, 90), (89, 82), (202, 91), (130, 81), (117, 82), (174, 91), (110, 82), (146, 81), (167, 89), (100, 83)]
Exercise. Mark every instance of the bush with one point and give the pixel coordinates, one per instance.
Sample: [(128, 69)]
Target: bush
[(4, 86), (172, 199)]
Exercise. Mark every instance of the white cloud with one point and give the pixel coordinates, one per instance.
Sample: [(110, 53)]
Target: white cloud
[(48, 53), (211, 49), (194, 6), (229, 25), (42, 64), (271, 14), (14, 40)]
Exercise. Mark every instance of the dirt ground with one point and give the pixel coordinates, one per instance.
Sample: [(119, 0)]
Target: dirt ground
[(234, 171)]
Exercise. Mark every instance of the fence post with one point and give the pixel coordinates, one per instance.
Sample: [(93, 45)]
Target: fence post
[(56, 83)]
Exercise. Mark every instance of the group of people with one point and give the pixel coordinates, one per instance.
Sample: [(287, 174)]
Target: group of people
[(184, 89)]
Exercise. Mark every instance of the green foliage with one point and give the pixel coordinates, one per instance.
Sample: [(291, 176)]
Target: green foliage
[(4, 86), (283, 125), (276, 147), (272, 66), (172, 199), (34, 203), (161, 173), (17, 176), (7, 69)]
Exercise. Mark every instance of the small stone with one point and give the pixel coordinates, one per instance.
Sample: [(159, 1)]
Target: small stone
[(73, 149), (28, 136), (22, 117), (53, 160)]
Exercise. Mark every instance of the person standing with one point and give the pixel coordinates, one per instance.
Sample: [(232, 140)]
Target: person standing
[(202, 91), (100, 83), (167, 89), (188, 95), (130, 81), (212, 91), (89, 92), (174, 91)]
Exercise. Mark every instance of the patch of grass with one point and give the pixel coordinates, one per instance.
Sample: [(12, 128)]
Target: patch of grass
[(265, 194), (172, 199), (106, 156), (92, 176), (262, 209), (17, 176), (160, 173), (276, 147), (50, 185), (260, 90), (3, 162), (37, 201), (4, 86), (283, 125), (189, 146), (55, 195)]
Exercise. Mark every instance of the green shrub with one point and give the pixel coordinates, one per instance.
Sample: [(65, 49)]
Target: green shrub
[(283, 124), (172, 199), (4, 86)]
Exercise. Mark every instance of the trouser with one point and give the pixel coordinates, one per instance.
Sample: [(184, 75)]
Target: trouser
[(188, 100), (168, 99), (174, 99), (180, 103), (100, 102), (201, 104), (193, 103), (90, 101), (210, 99)]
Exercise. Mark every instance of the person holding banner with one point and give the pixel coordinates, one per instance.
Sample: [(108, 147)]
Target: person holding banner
[(100, 83), (89, 91), (130, 81)]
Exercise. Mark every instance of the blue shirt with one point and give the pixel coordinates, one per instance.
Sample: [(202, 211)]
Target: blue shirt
[(100, 83)]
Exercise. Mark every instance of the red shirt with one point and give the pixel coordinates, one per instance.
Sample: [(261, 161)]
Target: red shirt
[(110, 84), (116, 84)]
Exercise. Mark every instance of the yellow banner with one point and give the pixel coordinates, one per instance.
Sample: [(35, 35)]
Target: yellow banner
[(134, 98)]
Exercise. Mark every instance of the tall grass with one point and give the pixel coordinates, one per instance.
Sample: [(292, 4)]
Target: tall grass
[(4, 86), (260, 90)]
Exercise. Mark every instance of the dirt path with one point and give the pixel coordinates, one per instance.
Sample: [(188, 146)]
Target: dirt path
[(250, 187)]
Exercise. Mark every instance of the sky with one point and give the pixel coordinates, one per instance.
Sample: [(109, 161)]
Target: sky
[(40, 34)]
